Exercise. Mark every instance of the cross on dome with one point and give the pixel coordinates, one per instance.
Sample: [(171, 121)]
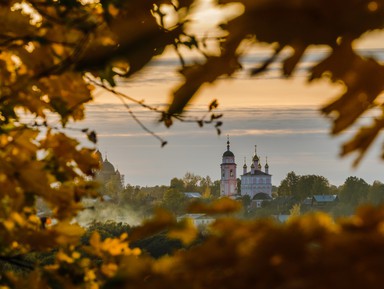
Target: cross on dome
[(255, 157), (228, 142), (228, 153)]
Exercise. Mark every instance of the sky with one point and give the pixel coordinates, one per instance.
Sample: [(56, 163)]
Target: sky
[(280, 116)]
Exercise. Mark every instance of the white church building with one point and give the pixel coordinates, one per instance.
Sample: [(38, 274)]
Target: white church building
[(253, 182)]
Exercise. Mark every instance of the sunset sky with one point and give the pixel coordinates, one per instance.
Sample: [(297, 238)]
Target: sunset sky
[(280, 116)]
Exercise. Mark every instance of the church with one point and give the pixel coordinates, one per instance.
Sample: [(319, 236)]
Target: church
[(253, 182)]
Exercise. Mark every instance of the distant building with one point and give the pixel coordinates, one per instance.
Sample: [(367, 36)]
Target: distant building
[(256, 181), (108, 173), (324, 200), (198, 219), (258, 200), (193, 195)]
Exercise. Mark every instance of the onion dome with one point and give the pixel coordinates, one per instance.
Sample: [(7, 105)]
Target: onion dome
[(228, 154), (266, 163), (259, 166), (252, 166)]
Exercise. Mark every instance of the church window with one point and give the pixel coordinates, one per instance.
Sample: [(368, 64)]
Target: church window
[(231, 173)]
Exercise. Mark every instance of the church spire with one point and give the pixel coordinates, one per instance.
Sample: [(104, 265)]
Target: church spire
[(245, 166), (266, 165), (255, 160), (228, 154), (227, 142)]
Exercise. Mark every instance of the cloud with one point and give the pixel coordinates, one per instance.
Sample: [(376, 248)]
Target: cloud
[(255, 132), (164, 69)]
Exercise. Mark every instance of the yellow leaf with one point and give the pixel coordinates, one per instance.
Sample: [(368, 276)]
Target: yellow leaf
[(107, 40), (112, 10), (58, 49), (123, 236), (221, 206), (95, 240), (17, 218), (109, 269), (9, 225), (161, 221), (76, 255), (68, 233), (61, 256), (186, 232), (89, 275), (164, 264), (135, 251), (115, 247)]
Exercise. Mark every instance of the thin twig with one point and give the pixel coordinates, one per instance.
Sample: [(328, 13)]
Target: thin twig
[(120, 94), (134, 117)]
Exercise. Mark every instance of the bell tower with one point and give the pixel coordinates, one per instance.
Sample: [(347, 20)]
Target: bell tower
[(228, 181)]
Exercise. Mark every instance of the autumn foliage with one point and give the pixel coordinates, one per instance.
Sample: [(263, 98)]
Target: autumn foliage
[(53, 54)]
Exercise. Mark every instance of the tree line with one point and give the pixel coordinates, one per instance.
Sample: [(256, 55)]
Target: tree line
[(293, 189), (144, 199)]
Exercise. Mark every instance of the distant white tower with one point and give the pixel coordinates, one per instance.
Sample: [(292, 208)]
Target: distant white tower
[(228, 182)]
